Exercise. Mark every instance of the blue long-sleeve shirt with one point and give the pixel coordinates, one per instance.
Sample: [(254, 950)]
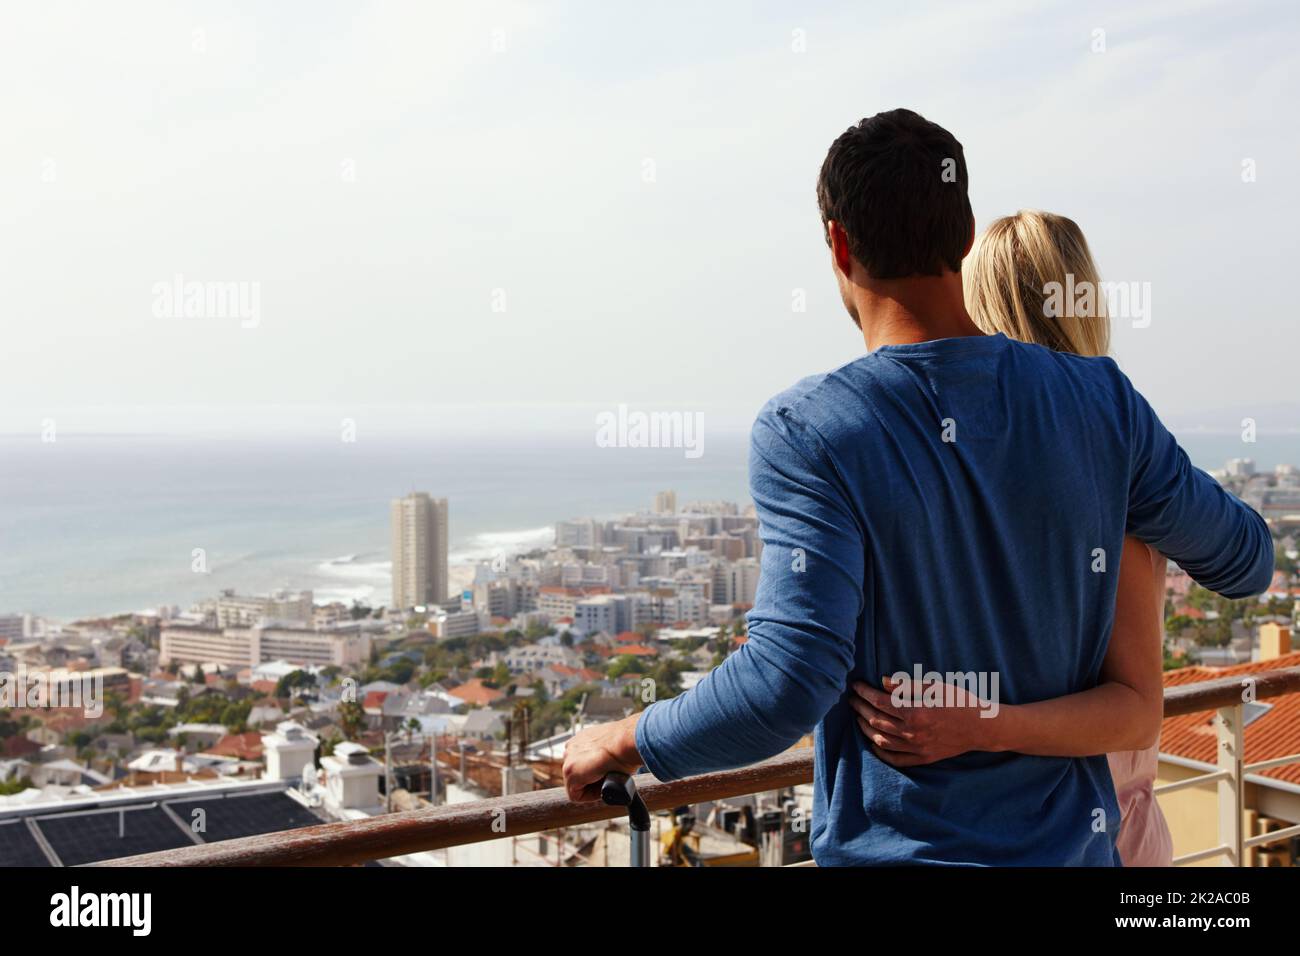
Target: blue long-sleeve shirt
[(961, 505)]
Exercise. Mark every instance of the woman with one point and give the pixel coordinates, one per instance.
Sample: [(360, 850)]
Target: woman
[(1012, 282)]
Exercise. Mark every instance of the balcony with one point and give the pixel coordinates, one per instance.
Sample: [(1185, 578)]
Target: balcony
[(436, 828)]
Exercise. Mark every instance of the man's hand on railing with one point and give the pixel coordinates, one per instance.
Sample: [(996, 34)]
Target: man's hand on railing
[(595, 752)]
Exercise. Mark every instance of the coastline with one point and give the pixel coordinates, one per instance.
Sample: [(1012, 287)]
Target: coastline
[(102, 529)]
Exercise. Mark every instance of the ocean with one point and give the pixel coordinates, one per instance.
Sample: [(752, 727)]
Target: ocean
[(99, 525)]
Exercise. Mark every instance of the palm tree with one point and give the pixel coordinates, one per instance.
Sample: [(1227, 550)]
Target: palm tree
[(352, 718)]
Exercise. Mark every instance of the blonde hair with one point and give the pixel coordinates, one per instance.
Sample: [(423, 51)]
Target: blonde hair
[(1008, 279)]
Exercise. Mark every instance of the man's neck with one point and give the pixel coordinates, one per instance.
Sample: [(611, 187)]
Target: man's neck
[(906, 311)]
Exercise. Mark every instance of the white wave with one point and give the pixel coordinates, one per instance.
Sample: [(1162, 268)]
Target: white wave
[(375, 571), (365, 593), (351, 579), (489, 544)]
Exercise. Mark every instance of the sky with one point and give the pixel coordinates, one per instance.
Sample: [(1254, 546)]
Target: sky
[(489, 217)]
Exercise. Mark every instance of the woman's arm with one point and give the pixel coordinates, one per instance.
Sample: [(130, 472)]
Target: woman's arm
[(1122, 713)]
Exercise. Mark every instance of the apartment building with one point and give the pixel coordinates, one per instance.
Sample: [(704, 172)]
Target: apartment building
[(740, 580), (419, 550), (724, 546), (574, 574), (667, 605), (237, 610), (611, 613), (506, 598), (463, 623), (314, 648), (250, 646), (578, 533), (14, 627), (535, 657), (556, 602), (228, 647)]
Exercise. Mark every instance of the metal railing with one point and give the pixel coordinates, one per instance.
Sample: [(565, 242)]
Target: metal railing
[(436, 828), (1229, 696)]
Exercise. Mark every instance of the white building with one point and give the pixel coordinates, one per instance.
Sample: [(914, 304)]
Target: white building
[(611, 613), (464, 623), (741, 579), (240, 610), (248, 647), (534, 657)]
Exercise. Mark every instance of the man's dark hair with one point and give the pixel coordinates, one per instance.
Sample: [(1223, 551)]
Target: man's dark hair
[(897, 184)]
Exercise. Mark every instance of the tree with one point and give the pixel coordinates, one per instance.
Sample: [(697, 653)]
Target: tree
[(292, 681), (15, 785), (500, 675), (352, 718), (667, 678), (625, 664), (399, 672)]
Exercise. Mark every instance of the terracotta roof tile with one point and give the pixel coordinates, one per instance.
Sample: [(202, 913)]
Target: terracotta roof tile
[(245, 746), (476, 692), (1275, 733), (637, 650)]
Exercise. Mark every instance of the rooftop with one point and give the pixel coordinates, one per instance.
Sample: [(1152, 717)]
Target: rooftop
[(1272, 731)]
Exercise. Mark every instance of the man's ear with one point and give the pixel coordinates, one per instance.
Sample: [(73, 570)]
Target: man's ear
[(839, 242)]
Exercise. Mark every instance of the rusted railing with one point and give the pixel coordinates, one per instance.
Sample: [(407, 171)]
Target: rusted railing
[(435, 828)]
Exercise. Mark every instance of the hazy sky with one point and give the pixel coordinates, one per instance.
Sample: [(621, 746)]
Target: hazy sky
[(388, 173)]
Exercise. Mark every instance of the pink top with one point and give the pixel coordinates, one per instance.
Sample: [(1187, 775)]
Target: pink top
[(1144, 838)]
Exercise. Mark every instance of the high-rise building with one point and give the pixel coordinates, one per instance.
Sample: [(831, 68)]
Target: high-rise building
[(578, 533), (419, 542), (14, 627), (665, 503), (742, 581)]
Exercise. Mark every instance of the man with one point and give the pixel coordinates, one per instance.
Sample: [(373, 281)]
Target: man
[(949, 503)]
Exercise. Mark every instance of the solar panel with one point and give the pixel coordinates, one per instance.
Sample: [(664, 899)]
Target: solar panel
[(80, 838), (245, 815), (18, 847)]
